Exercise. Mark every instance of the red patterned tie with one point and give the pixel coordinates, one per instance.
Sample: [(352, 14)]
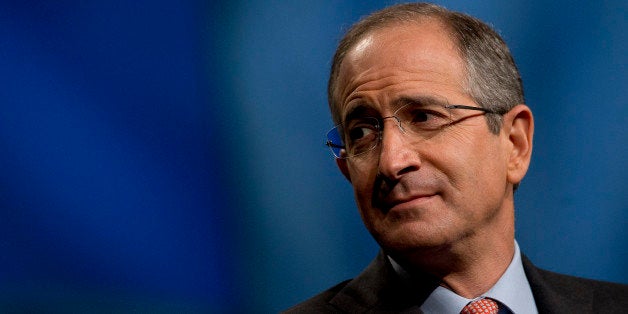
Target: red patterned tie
[(481, 306)]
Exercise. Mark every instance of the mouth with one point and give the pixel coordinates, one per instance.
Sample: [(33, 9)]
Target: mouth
[(407, 203)]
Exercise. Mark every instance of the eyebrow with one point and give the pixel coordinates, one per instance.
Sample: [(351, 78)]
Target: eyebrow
[(420, 100), (363, 109), (359, 111)]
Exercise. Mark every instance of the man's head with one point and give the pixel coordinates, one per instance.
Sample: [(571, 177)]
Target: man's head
[(492, 78), (433, 178)]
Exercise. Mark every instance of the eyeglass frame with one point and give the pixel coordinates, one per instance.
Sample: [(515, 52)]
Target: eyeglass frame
[(332, 145)]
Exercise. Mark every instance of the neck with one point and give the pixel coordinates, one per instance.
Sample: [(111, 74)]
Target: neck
[(469, 267), (472, 277)]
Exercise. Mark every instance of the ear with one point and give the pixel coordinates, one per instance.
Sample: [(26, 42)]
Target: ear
[(342, 165), (519, 127)]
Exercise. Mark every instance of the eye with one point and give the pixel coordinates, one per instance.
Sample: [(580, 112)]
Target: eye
[(418, 116), (427, 118), (360, 132), (422, 115)]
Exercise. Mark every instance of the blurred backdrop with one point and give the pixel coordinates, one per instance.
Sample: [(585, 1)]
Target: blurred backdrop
[(167, 156)]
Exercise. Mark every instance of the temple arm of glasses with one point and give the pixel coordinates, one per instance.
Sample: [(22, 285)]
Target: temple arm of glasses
[(330, 144), (471, 108)]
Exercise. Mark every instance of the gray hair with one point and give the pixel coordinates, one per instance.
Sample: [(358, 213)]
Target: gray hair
[(493, 80)]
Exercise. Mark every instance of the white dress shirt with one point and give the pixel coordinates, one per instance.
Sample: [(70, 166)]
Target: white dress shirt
[(512, 290)]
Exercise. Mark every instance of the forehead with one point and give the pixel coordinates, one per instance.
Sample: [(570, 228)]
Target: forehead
[(413, 57), (413, 38)]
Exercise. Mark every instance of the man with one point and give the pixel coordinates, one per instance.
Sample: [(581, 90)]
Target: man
[(433, 134)]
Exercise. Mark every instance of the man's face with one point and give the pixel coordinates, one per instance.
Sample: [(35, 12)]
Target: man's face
[(430, 193)]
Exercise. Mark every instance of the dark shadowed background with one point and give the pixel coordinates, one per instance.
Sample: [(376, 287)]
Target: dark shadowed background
[(167, 156)]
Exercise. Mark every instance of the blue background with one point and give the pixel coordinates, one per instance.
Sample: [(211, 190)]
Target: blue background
[(162, 156)]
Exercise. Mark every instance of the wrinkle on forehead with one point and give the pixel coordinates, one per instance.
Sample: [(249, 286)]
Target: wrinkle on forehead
[(411, 52)]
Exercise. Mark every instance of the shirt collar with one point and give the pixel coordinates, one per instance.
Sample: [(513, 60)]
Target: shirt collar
[(512, 289)]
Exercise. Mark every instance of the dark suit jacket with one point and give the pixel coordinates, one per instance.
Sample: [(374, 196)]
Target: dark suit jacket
[(378, 289)]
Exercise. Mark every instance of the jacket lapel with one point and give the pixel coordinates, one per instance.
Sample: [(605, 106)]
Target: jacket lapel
[(555, 293), (379, 289)]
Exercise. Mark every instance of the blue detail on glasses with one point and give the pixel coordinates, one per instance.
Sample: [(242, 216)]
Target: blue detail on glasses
[(420, 117)]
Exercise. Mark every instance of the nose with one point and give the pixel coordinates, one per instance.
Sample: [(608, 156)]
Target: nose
[(397, 120), (398, 155)]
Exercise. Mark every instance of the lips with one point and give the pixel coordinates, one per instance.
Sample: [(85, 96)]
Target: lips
[(405, 201), (410, 191)]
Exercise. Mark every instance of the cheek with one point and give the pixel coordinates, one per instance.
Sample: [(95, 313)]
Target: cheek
[(359, 173), (362, 179), (472, 167), (452, 154)]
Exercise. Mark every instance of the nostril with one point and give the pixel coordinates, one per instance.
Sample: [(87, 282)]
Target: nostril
[(390, 172), (408, 169)]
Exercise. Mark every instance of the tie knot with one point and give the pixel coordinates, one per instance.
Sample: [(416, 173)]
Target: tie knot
[(481, 306)]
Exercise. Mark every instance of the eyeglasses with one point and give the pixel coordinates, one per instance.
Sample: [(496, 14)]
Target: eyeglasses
[(419, 117)]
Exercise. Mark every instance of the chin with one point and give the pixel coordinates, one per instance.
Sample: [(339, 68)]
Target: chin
[(411, 236)]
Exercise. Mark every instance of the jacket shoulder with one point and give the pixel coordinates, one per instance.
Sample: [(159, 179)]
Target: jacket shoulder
[(601, 291), (319, 303), (559, 293), (377, 289)]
